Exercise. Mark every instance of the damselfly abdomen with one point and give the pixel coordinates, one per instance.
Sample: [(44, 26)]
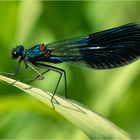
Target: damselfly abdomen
[(102, 50)]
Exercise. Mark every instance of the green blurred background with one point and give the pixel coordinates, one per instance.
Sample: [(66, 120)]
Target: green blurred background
[(114, 94)]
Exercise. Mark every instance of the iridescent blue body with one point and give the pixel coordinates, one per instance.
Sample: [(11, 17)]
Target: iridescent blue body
[(102, 50), (107, 49), (36, 54)]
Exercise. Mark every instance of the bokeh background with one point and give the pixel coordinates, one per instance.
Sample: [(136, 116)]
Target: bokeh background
[(114, 94)]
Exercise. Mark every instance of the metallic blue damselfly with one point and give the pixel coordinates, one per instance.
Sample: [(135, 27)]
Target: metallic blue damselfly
[(106, 49)]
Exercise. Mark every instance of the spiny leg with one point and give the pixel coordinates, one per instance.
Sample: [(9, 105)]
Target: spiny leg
[(16, 72), (40, 76), (58, 70), (37, 77), (65, 79), (35, 70), (56, 86)]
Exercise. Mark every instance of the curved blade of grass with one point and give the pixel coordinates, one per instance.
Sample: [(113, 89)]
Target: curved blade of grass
[(92, 124)]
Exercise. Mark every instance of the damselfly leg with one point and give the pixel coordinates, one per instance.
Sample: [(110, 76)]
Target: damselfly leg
[(14, 73), (38, 77), (58, 70)]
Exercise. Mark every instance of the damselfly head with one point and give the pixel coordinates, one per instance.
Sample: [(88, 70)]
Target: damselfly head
[(18, 51)]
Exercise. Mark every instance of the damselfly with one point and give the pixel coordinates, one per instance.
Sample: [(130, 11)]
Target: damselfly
[(106, 49)]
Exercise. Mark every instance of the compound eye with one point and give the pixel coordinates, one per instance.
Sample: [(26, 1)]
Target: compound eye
[(15, 54)]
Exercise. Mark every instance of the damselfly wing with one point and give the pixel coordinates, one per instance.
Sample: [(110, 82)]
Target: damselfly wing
[(106, 49)]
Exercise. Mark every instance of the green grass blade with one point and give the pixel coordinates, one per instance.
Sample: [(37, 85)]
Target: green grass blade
[(91, 123)]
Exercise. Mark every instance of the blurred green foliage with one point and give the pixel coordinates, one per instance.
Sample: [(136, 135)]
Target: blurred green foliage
[(112, 93)]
